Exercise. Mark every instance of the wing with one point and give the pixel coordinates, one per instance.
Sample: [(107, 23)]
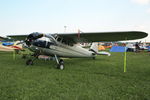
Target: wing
[(1, 38), (102, 36), (18, 37), (93, 36)]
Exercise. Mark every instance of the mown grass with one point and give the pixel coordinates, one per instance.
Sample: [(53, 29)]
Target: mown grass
[(82, 79)]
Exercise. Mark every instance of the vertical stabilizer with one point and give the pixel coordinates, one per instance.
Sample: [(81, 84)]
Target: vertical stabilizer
[(94, 47)]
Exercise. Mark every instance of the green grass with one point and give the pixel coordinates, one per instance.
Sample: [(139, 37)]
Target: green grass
[(82, 79)]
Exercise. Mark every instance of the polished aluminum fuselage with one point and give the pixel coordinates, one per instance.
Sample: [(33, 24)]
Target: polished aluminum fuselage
[(63, 50)]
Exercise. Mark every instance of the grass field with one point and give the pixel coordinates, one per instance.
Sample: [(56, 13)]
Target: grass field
[(82, 79)]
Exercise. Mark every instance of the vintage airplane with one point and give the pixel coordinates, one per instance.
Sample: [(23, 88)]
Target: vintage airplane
[(64, 45)]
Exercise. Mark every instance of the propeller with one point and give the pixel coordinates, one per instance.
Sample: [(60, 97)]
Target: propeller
[(32, 37)]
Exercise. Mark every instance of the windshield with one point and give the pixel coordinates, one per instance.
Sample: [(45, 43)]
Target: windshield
[(43, 42)]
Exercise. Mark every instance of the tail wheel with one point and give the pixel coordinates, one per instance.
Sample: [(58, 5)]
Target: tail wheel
[(29, 62), (94, 58)]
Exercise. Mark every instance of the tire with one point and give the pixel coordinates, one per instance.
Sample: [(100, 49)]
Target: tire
[(61, 65), (94, 58), (29, 62)]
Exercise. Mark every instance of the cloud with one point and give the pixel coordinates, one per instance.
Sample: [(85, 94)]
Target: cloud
[(142, 2)]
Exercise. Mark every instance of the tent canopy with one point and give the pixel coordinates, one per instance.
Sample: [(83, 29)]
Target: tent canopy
[(118, 49), (7, 43), (100, 47)]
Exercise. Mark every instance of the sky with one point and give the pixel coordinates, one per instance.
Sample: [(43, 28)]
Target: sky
[(50, 16)]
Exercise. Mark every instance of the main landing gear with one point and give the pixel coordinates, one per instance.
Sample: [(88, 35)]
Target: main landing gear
[(30, 61), (60, 63)]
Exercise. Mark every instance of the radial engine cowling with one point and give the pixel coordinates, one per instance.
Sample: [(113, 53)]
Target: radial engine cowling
[(33, 36)]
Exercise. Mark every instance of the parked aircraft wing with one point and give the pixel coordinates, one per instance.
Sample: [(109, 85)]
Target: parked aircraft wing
[(3, 38), (102, 36), (18, 37)]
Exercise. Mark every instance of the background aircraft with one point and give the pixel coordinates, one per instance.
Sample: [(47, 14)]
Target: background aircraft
[(65, 45)]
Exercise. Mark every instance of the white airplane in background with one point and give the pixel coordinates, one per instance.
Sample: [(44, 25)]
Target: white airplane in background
[(64, 44)]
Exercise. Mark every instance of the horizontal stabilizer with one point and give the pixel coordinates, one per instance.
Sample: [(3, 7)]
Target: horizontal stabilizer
[(104, 53)]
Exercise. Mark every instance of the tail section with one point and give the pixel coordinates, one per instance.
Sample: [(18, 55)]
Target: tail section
[(94, 48)]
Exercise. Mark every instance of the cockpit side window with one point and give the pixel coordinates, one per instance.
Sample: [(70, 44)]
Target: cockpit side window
[(64, 41)]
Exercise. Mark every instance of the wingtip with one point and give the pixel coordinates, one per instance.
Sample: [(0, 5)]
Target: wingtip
[(142, 33), (145, 34)]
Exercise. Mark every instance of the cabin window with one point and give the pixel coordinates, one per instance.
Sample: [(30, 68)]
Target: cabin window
[(64, 41)]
